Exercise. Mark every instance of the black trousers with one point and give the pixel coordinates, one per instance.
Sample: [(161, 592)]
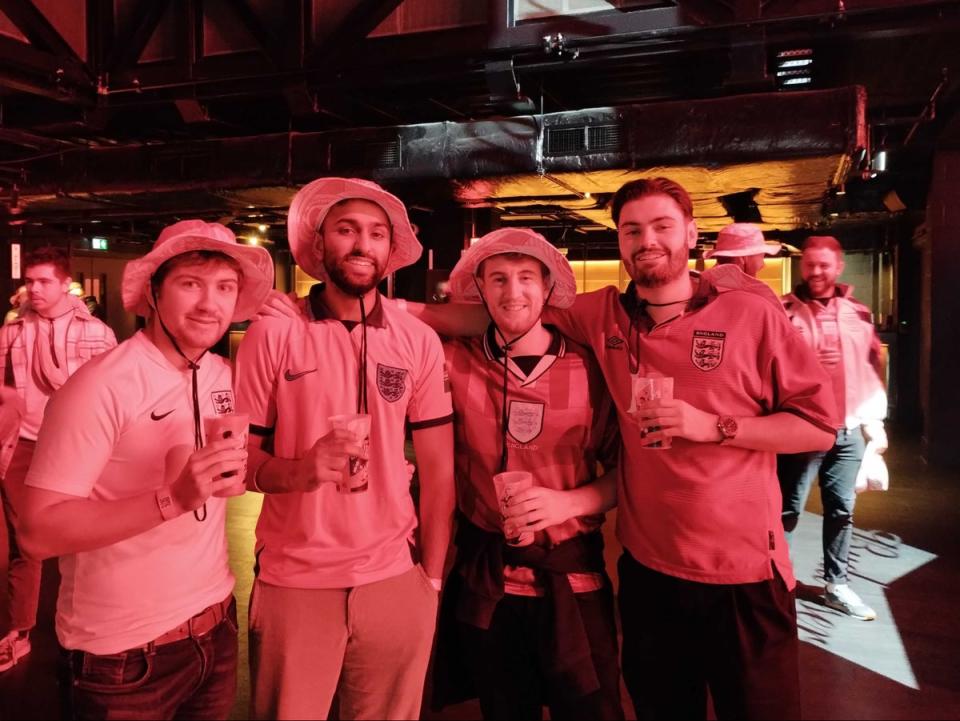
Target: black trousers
[(682, 637), (507, 668)]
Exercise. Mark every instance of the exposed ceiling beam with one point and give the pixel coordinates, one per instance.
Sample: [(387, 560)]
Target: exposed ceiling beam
[(26, 69), (135, 34), (360, 21), (267, 40), (41, 34)]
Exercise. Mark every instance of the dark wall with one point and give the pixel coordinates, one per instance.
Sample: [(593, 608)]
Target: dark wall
[(940, 389)]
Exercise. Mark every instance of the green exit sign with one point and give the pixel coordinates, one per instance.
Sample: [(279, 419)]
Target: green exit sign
[(98, 243)]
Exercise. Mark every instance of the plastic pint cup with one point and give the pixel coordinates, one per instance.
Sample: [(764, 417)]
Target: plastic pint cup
[(233, 426), (355, 473), (507, 485), (647, 389)]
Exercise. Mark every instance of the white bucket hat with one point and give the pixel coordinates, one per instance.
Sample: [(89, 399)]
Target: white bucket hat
[(188, 236), (739, 239), (463, 284), (312, 203)]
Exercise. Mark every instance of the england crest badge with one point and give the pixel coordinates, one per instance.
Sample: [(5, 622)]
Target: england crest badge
[(391, 382), (525, 420), (707, 349)]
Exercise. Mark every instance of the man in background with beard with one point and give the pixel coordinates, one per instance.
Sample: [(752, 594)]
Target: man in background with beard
[(706, 587), (345, 599)]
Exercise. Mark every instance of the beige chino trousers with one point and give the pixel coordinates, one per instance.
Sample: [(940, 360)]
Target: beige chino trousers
[(368, 645)]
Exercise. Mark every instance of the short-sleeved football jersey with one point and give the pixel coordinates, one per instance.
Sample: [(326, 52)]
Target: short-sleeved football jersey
[(292, 375), (560, 425), (704, 511), (117, 428)]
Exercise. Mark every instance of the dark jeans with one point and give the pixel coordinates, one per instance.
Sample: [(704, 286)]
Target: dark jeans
[(195, 678), (837, 470), (23, 575), (508, 671), (682, 637)]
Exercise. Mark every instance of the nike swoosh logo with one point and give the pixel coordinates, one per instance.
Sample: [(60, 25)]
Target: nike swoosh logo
[(156, 417), (291, 376)]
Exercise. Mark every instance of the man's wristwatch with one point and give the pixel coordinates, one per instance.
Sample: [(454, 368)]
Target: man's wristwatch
[(728, 427)]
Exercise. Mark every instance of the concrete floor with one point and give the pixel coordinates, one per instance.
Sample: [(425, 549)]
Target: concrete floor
[(906, 563)]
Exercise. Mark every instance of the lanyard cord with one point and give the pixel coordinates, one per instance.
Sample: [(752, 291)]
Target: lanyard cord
[(194, 366)]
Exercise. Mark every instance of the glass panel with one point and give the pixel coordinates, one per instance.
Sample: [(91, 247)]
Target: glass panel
[(524, 10)]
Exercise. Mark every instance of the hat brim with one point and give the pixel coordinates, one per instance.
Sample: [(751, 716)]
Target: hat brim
[(463, 285), (767, 249), (314, 200), (255, 262)]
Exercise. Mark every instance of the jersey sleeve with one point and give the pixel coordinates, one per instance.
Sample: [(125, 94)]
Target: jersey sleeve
[(431, 402), (798, 383), (258, 366), (81, 425), (571, 321)]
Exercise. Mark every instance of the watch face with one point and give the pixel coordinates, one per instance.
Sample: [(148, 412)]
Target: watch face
[(728, 427)]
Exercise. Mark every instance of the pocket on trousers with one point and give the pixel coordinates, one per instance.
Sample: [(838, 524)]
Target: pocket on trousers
[(425, 581), (253, 608), (116, 673), (231, 618)]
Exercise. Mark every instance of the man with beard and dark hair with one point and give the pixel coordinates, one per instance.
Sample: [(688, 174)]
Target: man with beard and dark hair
[(706, 586), (840, 328), (345, 599)]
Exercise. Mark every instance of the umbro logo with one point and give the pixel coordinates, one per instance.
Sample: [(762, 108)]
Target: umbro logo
[(159, 417), (289, 375), (616, 343)]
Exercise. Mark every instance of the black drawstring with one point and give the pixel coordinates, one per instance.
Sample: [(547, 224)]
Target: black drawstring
[(53, 344), (362, 371), (53, 334), (637, 309), (507, 344), (194, 366)]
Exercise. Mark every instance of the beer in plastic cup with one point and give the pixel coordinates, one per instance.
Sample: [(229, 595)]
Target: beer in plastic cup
[(355, 473), (507, 485), (647, 389), (234, 426)]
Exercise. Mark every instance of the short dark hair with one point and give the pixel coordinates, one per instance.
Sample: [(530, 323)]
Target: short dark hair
[(194, 257), (48, 255), (544, 270), (823, 241), (643, 187), (728, 259)]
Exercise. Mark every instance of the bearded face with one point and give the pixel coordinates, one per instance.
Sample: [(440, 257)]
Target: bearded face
[(355, 239)]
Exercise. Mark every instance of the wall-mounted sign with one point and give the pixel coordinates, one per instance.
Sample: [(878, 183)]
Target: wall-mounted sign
[(15, 261), (98, 243)]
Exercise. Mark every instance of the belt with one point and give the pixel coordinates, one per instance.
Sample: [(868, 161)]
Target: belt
[(196, 627)]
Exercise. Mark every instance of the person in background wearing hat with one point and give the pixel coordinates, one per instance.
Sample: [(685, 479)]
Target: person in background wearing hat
[(124, 490), (345, 598), (742, 245), (706, 585), (534, 624), (840, 329), (51, 337)]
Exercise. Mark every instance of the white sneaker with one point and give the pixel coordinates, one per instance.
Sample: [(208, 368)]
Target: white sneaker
[(843, 598), (13, 647)]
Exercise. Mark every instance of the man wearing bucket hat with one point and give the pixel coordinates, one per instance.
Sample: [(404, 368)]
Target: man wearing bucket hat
[(742, 244), (536, 626), (706, 585), (124, 489), (50, 338), (345, 599)]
